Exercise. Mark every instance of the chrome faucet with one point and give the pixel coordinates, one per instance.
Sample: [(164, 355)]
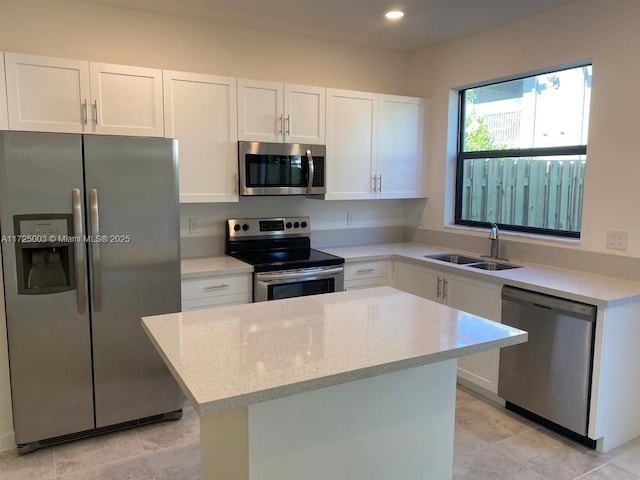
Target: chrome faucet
[(494, 236)]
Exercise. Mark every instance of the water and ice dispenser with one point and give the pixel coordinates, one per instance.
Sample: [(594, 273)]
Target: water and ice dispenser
[(44, 253)]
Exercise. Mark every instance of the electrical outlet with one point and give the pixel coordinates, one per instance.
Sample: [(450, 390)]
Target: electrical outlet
[(194, 224), (617, 240), (349, 218)]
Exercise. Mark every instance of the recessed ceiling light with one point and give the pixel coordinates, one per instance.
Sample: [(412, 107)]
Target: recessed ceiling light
[(394, 14)]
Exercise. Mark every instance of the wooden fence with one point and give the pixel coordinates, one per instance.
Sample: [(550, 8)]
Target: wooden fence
[(524, 191)]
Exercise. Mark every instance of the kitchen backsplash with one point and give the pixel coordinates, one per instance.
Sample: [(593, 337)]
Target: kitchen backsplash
[(202, 246)]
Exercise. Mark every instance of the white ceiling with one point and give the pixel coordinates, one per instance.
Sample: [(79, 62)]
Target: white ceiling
[(358, 22)]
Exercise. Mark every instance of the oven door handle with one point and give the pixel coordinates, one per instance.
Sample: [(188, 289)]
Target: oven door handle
[(310, 171), (307, 274)]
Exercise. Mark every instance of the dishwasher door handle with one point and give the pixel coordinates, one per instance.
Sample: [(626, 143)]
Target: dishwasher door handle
[(585, 311), (542, 306)]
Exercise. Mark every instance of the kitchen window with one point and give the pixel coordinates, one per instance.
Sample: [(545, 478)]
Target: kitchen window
[(522, 152)]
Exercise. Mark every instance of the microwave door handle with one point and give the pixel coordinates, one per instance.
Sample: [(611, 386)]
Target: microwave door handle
[(310, 172)]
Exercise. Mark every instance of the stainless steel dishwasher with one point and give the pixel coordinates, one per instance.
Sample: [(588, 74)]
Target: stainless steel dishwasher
[(548, 378)]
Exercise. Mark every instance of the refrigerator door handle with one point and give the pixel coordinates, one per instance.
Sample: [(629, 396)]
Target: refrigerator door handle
[(95, 249), (79, 249)]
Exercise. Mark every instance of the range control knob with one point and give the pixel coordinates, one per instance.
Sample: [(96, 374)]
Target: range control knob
[(296, 224), (289, 225), (236, 227), (245, 227), (303, 224)]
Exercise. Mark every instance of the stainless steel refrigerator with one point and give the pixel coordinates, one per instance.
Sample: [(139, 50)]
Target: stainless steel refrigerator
[(90, 243)]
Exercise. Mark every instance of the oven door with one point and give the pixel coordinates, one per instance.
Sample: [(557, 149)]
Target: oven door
[(297, 283)]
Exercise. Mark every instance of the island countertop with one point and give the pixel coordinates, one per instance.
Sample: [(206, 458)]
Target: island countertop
[(240, 355)]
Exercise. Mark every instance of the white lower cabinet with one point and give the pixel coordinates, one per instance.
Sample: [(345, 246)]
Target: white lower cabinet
[(473, 296), (215, 291), (482, 299), (366, 274)]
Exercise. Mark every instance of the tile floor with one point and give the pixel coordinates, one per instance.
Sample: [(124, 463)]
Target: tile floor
[(490, 444)]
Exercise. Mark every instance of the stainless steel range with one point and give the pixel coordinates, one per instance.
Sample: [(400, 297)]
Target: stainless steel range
[(284, 263)]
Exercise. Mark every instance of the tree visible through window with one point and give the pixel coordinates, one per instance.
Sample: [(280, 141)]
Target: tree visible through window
[(522, 152)]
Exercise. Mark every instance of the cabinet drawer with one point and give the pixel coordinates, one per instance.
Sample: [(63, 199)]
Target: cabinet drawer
[(218, 301), (365, 283), (354, 271), (216, 286)]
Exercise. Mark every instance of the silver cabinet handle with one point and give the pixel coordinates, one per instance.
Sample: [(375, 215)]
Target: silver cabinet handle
[(289, 125), (95, 112), (281, 131), (83, 113), (366, 270), (95, 250), (78, 246), (380, 183), (311, 171), (445, 285), (374, 181), (439, 288), (214, 287)]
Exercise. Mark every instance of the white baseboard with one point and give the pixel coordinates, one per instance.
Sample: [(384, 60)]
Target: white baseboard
[(481, 391)]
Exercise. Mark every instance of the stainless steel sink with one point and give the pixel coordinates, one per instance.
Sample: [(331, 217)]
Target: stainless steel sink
[(453, 258), (471, 261), (494, 266)]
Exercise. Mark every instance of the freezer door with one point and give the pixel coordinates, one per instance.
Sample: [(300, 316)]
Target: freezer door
[(49, 337), (134, 271)]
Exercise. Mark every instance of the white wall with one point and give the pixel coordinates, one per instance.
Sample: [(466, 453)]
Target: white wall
[(84, 30), (607, 32)]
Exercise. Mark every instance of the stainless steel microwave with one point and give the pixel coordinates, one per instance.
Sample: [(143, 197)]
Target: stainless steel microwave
[(281, 168)]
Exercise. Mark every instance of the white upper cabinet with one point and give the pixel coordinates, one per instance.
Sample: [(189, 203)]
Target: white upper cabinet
[(50, 94), (276, 112), (47, 94), (126, 100), (400, 155), (375, 146), (304, 114), (352, 119), (200, 111), (4, 118), (260, 111)]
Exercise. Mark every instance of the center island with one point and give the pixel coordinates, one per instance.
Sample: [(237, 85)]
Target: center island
[(349, 385)]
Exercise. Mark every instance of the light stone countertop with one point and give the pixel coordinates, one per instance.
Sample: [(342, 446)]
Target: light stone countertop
[(212, 266), (599, 290), (236, 356), (584, 287)]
